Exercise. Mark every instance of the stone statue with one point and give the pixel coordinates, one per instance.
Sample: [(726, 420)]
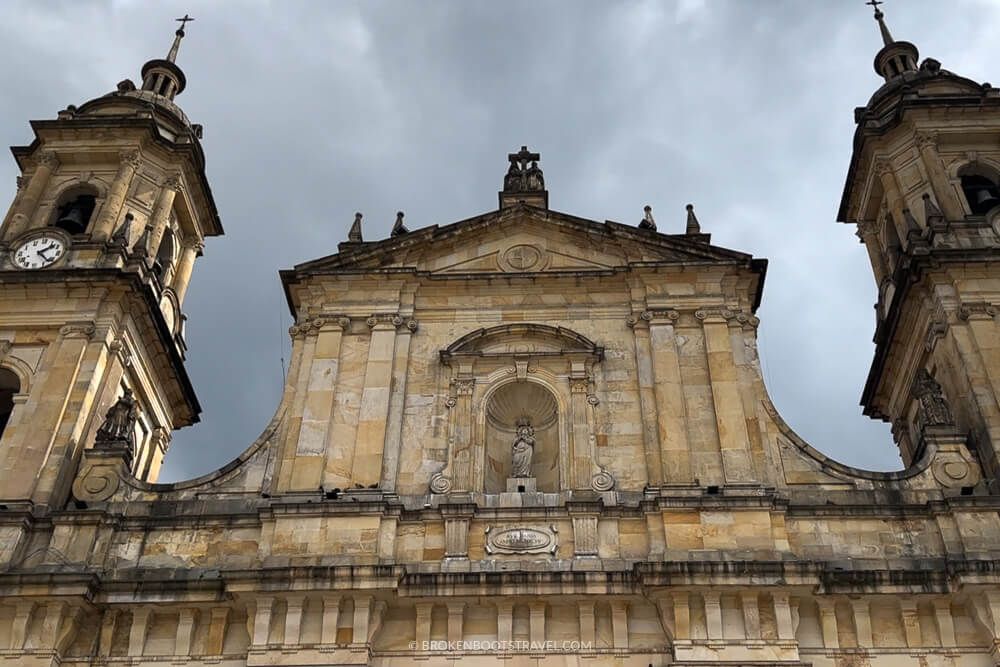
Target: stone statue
[(534, 177), (522, 449), (647, 221), (512, 181), (933, 408), (119, 423)]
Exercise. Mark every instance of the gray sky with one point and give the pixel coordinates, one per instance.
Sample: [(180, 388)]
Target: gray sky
[(314, 110)]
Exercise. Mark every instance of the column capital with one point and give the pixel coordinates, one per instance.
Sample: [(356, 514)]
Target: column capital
[(173, 182), (130, 158), (47, 159), (77, 330), (926, 139), (883, 167), (977, 310)]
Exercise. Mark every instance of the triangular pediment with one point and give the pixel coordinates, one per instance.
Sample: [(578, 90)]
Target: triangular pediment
[(524, 239)]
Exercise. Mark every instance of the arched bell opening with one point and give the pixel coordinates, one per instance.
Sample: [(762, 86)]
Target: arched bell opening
[(75, 208), (10, 386), (522, 438)]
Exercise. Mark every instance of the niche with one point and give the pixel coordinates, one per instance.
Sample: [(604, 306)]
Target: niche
[(75, 208), (511, 405)]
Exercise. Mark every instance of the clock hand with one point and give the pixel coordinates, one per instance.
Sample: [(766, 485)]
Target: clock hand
[(41, 253)]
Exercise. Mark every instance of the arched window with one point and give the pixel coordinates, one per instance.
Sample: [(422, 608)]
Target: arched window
[(76, 206), (10, 385), (981, 192)]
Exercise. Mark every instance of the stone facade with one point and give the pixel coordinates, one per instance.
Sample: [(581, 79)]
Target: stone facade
[(523, 436)]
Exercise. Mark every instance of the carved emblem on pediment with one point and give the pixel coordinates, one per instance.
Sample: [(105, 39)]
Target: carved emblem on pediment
[(523, 257), (521, 540)]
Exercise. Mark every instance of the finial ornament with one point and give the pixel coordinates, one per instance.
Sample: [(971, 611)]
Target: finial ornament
[(397, 228), (693, 226), (647, 219), (354, 236)]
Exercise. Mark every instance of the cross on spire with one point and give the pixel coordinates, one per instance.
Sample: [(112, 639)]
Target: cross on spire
[(172, 56), (184, 19), (875, 4)]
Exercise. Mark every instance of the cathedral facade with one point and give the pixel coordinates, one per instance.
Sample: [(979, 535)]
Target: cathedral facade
[(524, 436)]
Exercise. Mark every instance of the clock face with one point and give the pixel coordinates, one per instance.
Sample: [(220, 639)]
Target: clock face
[(39, 252)]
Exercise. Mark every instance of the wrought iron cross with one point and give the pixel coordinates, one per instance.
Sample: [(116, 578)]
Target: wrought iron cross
[(184, 20), (874, 4)]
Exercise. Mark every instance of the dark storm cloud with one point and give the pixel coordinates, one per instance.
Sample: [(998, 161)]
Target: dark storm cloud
[(315, 110)]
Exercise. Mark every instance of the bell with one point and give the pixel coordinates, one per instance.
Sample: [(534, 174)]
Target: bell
[(72, 219), (985, 200)]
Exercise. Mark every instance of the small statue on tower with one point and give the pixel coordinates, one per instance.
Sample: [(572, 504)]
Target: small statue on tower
[(119, 424)]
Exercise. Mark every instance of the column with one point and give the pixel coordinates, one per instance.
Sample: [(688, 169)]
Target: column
[(217, 631), (751, 614), (671, 413), (137, 633), (647, 398), (886, 175), (862, 622), (303, 344), (394, 427), (734, 441), (945, 622), (940, 183), (293, 618), (374, 413), (537, 622), (682, 615), (456, 617), (783, 616), (185, 632), (52, 624), (460, 442), (262, 621), (29, 445), (869, 238), (911, 622), (362, 614), (828, 622), (505, 622), (104, 227), (587, 623), (619, 623), (422, 629), (331, 617), (312, 447), (19, 628), (20, 221), (107, 632), (713, 615), (584, 455), (160, 217), (182, 276)]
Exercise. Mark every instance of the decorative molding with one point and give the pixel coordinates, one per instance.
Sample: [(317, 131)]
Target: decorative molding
[(412, 325), (21, 181), (579, 385), (935, 330), (593, 400)]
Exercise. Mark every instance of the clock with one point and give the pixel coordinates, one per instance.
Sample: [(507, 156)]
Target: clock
[(39, 252)]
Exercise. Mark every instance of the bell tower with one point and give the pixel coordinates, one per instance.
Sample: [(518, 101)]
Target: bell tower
[(96, 252), (923, 189)]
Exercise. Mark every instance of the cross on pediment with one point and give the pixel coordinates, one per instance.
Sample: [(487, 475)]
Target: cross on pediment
[(524, 175)]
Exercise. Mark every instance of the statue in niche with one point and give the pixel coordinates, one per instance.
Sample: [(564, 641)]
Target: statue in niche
[(933, 408), (119, 423), (522, 450)]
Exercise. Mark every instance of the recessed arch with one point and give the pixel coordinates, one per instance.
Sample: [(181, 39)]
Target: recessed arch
[(10, 386), (75, 208)]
